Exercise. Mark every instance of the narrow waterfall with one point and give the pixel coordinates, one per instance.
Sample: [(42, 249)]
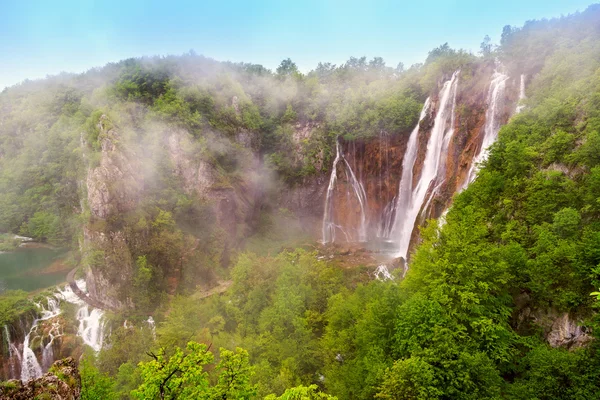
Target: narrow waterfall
[(329, 227), (522, 96), (437, 147), (152, 326), (11, 353), (492, 124), (401, 202), (329, 224)]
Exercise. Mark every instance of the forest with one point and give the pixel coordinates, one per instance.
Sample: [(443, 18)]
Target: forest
[(174, 182)]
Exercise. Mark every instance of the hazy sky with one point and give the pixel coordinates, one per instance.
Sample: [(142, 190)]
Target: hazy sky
[(46, 37)]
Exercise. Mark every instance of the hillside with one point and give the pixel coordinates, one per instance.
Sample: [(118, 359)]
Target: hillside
[(261, 211)]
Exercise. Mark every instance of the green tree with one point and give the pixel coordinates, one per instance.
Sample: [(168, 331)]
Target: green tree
[(182, 375)]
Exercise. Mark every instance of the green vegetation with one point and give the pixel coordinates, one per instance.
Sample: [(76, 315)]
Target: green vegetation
[(471, 320), (8, 242), (13, 304)]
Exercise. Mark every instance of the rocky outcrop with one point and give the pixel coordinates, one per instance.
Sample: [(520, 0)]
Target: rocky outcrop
[(114, 185), (233, 201), (567, 332), (113, 188), (62, 382)]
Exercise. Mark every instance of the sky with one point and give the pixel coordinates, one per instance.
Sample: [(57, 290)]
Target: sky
[(40, 38)]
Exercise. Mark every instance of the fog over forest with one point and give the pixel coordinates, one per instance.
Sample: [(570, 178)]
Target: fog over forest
[(177, 227)]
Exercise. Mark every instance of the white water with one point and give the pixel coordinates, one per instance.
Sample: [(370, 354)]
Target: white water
[(382, 273), (522, 96), (152, 326), (401, 203), (11, 352), (91, 325), (30, 367), (91, 330), (492, 125), (329, 225), (433, 168)]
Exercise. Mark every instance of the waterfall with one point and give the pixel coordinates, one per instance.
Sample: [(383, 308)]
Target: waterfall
[(152, 326), (382, 273), (30, 367), (48, 350), (492, 125), (329, 225), (433, 170), (12, 351), (522, 96), (405, 189), (91, 330), (91, 327)]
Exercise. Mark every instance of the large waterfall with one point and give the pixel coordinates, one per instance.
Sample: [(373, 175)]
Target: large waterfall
[(495, 99), (401, 203), (432, 172), (424, 179), (329, 224)]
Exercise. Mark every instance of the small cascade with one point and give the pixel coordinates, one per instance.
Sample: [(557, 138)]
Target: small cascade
[(433, 169), (91, 327), (329, 225), (492, 124), (152, 326), (91, 330), (48, 350), (522, 96), (30, 367), (382, 273), (12, 351)]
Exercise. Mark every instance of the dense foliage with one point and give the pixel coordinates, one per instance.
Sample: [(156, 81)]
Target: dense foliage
[(519, 249)]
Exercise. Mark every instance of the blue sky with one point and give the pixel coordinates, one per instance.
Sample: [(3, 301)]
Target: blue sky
[(38, 38)]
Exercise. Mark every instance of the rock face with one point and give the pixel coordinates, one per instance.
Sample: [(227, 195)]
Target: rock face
[(377, 163), (62, 382), (126, 172), (233, 201), (566, 332), (113, 188)]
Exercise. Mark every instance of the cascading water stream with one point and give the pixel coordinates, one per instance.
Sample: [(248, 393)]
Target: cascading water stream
[(91, 330), (30, 367), (408, 211), (492, 126), (11, 352), (91, 325), (329, 225), (522, 96), (401, 203)]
